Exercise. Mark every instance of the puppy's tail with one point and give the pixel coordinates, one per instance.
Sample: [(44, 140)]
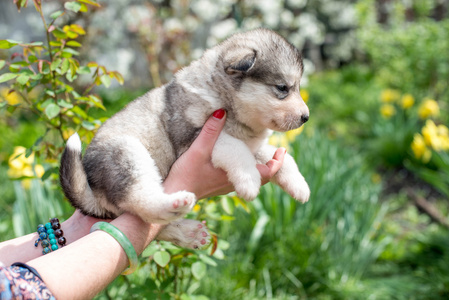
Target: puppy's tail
[(73, 177)]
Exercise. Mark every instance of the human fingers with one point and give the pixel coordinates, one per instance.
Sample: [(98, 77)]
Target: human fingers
[(268, 170), (210, 132)]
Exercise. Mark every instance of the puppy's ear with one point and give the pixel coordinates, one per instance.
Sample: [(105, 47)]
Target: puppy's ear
[(240, 61)]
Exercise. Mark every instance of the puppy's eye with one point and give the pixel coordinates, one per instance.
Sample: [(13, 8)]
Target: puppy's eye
[(282, 88)]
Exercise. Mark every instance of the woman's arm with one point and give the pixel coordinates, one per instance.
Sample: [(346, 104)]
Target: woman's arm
[(22, 249)]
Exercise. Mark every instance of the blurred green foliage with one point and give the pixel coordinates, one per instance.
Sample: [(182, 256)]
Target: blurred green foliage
[(369, 142)]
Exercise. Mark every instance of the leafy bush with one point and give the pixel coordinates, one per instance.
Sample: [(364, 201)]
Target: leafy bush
[(43, 76), (408, 56)]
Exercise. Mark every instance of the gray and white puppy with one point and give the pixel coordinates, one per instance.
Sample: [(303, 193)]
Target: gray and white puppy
[(254, 76)]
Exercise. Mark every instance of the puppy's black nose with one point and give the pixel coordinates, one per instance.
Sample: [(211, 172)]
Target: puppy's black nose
[(304, 118)]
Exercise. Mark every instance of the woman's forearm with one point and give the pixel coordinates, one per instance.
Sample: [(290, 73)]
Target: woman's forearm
[(22, 249), (94, 261)]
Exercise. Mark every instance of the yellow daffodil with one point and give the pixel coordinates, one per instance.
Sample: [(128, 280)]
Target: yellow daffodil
[(12, 98), (278, 140), (443, 133), (429, 108), (22, 166), (292, 134), (420, 149), (430, 135), (407, 101), (389, 95), (304, 95), (387, 111), (436, 137)]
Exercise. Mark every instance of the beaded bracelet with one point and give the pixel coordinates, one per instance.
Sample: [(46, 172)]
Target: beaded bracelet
[(123, 241), (50, 235)]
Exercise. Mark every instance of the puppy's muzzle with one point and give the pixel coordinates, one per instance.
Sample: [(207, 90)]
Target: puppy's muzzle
[(304, 118)]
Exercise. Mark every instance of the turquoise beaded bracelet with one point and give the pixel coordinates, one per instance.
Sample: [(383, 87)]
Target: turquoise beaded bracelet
[(50, 235), (123, 241)]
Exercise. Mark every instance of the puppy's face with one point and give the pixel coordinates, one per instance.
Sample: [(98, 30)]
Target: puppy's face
[(266, 78), (273, 103)]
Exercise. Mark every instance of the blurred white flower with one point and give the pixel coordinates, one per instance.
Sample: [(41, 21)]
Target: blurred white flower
[(297, 3)]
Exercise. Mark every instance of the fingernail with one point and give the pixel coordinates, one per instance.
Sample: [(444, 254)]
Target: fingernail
[(219, 114)]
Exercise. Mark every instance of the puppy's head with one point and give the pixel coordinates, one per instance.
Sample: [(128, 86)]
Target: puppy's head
[(265, 70)]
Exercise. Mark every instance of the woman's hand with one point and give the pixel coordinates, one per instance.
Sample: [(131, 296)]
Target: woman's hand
[(194, 172)]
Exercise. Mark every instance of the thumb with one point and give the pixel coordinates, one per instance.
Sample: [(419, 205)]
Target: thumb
[(211, 130)]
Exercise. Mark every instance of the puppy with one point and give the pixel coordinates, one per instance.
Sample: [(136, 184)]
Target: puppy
[(254, 76)]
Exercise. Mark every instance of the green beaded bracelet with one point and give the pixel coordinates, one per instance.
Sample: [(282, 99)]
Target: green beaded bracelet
[(123, 241)]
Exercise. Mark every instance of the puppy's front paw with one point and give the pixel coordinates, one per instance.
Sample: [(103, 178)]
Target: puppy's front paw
[(247, 185), (186, 233), (295, 185), (298, 190)]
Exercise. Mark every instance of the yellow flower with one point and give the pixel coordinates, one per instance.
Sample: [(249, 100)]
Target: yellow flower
[(292, 134), (389, 95), (18, 160), (443, 133), (196, 208), (304, 95), (68, 133), (21, 166), (429, 108), (420, 149), (376, 178), (278, 140), (387, 111), (12, 98), (407, 101)]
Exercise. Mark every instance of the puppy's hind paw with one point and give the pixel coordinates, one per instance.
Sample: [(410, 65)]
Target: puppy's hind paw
[(186, 233), (174, 206)]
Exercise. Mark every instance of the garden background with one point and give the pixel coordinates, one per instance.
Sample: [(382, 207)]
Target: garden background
[(375, 151)]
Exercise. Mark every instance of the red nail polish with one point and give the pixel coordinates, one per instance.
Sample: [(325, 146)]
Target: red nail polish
[(219, 114)]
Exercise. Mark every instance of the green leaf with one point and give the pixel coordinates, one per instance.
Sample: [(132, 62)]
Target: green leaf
[(88, 125), (91, 2), (50, 93), (228, 205), (7, 44), (70, 77), (52, 110), (73, 6), (70, 51), (55, 64), (37, 77), (59, 33), (83, 70), (49, 172), (23, 79), (65, 104), (33, 44), (106, 80), (208, 260), (56, 14), (65, 66), (162, 258), (73, 44), (2, 63), (199, 269), (7, 76)]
